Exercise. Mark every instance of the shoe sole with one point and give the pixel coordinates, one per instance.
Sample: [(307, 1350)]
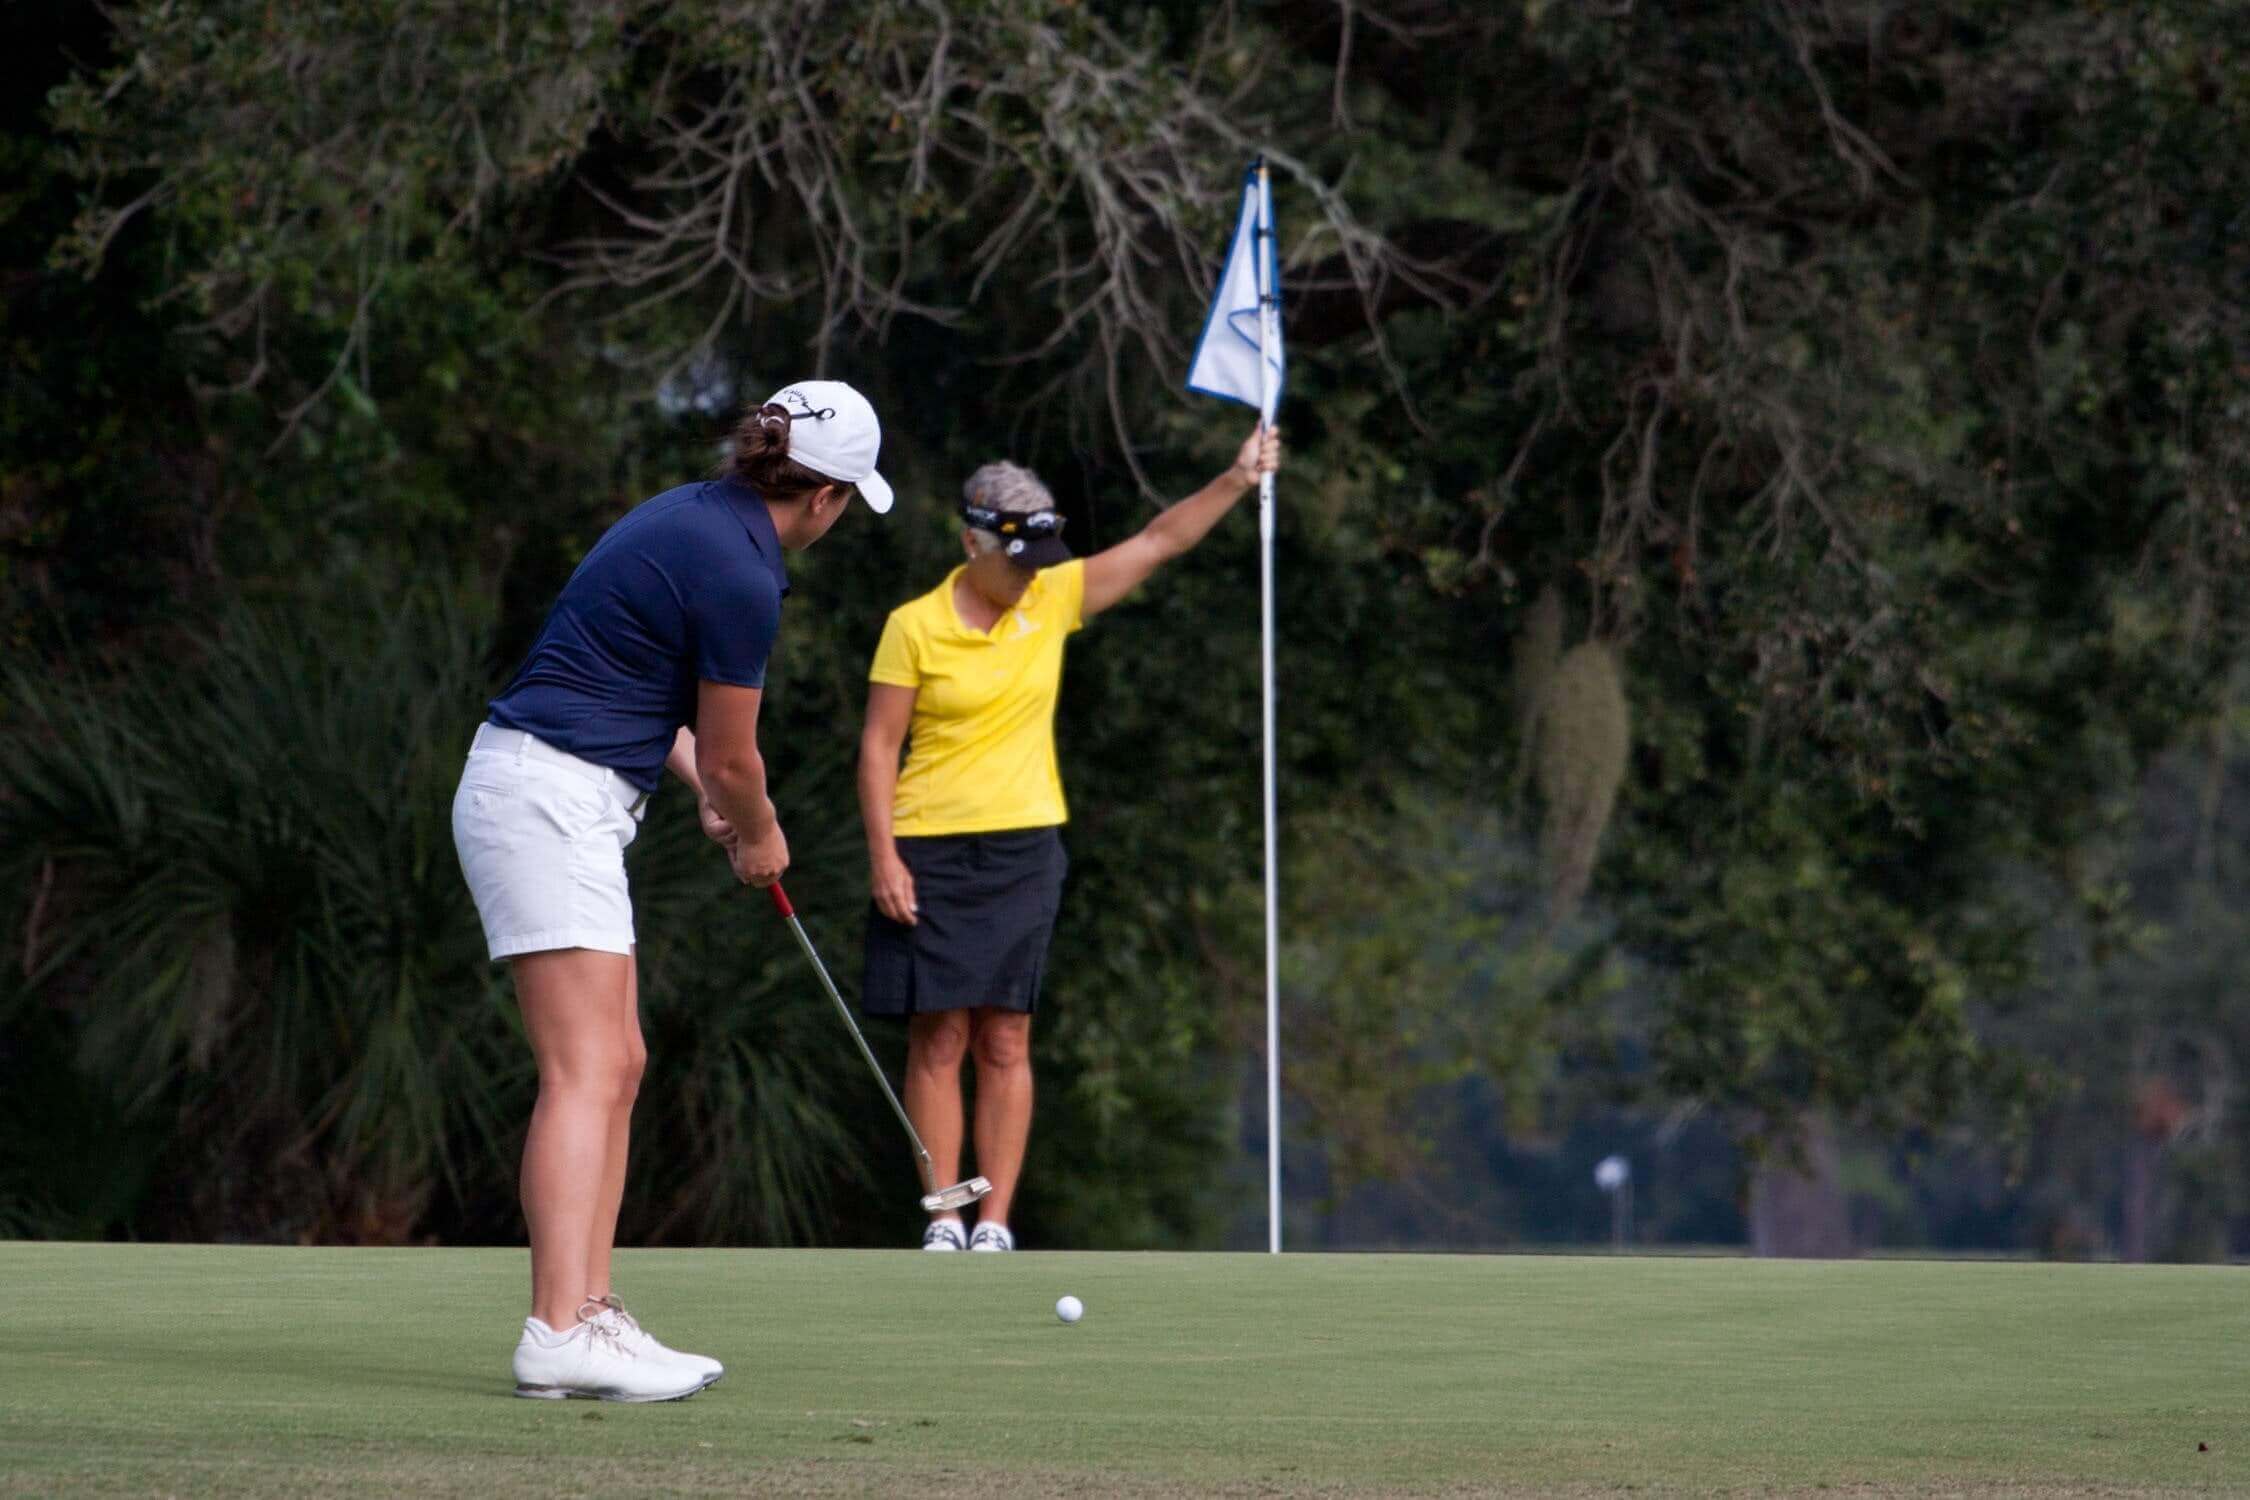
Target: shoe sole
[(566, 1393)]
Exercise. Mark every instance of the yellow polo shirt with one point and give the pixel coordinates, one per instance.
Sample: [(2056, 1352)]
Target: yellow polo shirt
[(980, 750)]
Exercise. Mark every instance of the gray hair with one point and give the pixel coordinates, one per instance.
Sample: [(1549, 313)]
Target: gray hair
[(1008, 487)]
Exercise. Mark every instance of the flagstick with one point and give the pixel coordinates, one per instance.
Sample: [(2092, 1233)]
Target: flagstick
[(1266, 331)]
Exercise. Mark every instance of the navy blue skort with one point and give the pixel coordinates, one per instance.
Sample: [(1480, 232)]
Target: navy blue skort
[(987, 904)]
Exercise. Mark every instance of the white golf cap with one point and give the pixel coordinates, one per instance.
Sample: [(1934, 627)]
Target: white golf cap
[(833, 431)]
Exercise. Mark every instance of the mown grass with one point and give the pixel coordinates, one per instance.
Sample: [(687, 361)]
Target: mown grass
[(258, 1371)]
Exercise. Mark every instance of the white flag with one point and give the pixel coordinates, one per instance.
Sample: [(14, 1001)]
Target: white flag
[(1226, 356)]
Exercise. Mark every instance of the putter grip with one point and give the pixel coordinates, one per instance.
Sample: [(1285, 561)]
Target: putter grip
[(781, 900)]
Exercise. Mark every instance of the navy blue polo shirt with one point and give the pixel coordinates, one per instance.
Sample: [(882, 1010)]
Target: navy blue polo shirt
[(687, 587)]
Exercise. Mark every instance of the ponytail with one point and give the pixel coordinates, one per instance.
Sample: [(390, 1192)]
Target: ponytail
[(761, 457)]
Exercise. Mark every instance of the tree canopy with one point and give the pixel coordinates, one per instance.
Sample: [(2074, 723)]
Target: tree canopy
[(1766, 494)]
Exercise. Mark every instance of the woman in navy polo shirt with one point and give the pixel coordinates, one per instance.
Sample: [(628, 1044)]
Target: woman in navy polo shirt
[(665, 625)]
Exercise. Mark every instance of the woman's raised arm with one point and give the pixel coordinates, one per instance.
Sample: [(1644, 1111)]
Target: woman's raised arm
[(1113, 573)]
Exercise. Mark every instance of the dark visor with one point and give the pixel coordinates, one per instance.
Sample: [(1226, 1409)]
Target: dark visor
[(1013, 523)]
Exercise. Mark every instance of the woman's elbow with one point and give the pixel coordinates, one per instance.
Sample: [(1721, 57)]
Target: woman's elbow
[(738, 769), (1159, 542)]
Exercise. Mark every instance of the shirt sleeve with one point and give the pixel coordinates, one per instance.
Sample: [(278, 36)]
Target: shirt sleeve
[(897, 662), (1067, 598), (735, 629)]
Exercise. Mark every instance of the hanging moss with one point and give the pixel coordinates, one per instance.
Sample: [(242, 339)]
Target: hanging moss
[(1584, 732)]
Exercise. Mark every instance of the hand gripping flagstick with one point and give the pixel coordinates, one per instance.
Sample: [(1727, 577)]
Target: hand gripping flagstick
[(934, 1198)]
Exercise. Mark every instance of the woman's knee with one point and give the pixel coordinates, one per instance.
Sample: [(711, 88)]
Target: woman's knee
[(1003, 1039), (608, 1075), (580, 1013), (937, 1043)]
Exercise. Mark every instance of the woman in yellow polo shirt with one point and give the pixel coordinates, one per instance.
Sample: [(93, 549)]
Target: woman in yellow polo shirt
[(964, 844)]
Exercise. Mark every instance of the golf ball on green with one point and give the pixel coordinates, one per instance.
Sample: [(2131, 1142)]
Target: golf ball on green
[(1070, 1309)]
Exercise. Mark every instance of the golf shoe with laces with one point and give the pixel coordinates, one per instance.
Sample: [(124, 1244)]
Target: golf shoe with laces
[(647, 1345), (992, 1237), (594, 1362), (943, 1234)]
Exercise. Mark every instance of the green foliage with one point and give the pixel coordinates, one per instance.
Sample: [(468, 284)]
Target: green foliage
[(1419, 956), (1871, 414), (1873, 382), (251, 907), (1532, 657), (251, 919), (98, 438)]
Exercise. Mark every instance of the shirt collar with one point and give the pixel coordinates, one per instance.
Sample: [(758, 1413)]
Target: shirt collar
[(1022, 606), (749, 507)]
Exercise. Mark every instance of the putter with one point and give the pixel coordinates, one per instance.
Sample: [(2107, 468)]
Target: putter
[(934, 1198)]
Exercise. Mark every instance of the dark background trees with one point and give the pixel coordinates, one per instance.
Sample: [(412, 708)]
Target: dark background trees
[(1778, 467)]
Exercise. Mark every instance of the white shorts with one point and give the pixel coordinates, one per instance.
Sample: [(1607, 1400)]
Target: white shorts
[(542, 836)]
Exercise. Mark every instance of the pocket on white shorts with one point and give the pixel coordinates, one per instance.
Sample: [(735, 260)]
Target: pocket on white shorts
[(481, 805), (542, 848)]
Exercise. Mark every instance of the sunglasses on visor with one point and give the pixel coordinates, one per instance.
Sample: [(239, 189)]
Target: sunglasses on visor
[(1013, 523)]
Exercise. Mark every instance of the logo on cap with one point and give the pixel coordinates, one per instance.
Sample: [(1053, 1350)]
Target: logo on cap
[(834, 433), (816, 413)]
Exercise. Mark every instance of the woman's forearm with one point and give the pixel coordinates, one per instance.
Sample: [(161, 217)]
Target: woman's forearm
[(1183, 525), (878, 784), (736, 789), (681, 761)]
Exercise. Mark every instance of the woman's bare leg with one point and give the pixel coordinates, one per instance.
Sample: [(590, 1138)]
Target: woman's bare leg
[(572, 1000), (620, 1138), (935, 1045), (1002, 1043)]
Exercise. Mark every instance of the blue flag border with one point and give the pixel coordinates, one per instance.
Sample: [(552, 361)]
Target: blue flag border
[(1211, 314)]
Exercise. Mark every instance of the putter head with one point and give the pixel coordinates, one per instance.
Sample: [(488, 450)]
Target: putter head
[(960, 1195)]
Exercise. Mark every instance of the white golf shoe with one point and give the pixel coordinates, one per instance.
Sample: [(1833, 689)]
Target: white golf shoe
[(992, 1237), (647, 1344), (594, 1362), (943, 1234)]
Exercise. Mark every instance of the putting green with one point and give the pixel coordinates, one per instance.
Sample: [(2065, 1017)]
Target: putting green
[(267, 1371)]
